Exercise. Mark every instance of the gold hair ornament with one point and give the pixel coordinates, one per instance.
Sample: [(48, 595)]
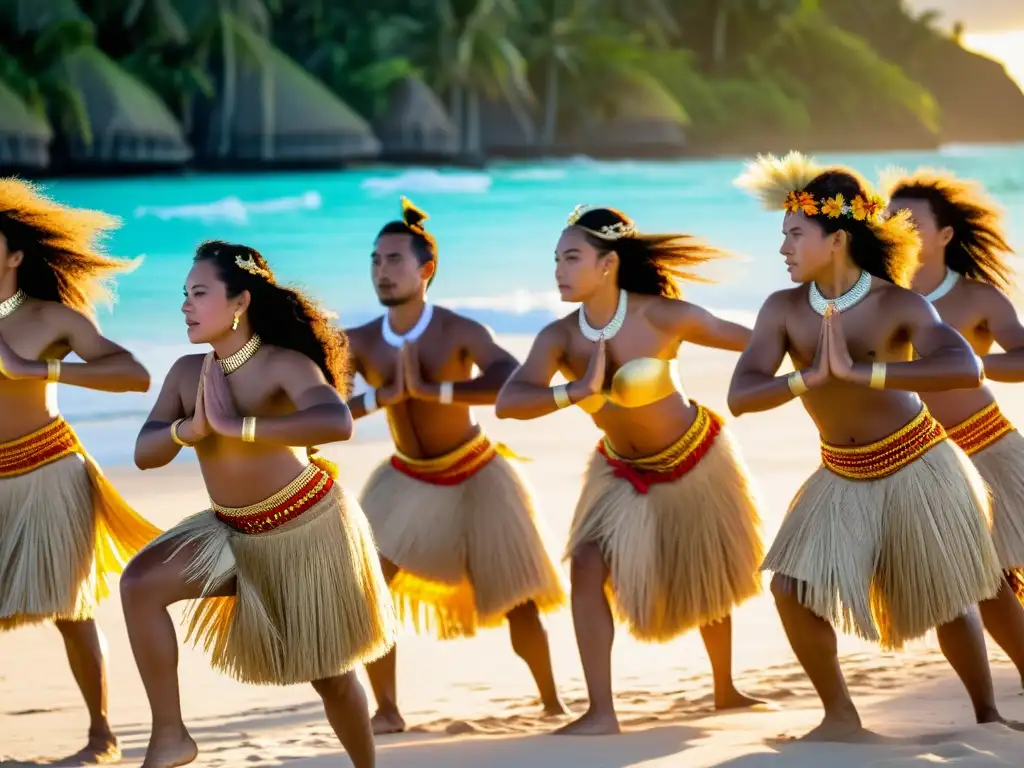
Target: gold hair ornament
[(409, 205), (249, 265), (870, 208), (616, 231)]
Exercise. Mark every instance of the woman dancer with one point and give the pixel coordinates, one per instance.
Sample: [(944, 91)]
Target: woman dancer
[(283, 561), (668, 513), (63, 528)]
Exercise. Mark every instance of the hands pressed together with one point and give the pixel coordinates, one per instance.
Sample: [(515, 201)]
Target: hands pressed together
[(832, 361)]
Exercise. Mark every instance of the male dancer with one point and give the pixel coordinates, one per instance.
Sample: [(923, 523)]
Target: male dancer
[(63, 528), (454, 522), (889, 537), (963, 273)]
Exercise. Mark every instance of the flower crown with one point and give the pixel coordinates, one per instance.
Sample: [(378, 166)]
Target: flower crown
[(870, 208), (249, 265), (616, 231)]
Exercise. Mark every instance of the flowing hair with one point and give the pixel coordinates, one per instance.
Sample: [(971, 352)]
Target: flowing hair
[(887, 247), (282, 316), (978, 248), (64, 260), (654, 265)]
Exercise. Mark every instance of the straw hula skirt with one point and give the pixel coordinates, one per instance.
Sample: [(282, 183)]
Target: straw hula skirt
[(310, 600), (463, 532), (64, 529), (679, 531), (997, 450), (891, 539)]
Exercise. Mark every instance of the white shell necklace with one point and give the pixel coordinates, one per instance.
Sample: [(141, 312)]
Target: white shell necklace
[(841, 303), (7, 306), (396, 340), (945, 286), (614, 325)]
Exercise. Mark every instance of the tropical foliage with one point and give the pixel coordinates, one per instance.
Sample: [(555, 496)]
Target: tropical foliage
[(738, 74)]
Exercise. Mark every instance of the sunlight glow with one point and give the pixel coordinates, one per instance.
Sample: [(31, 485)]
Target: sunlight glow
[(1006, 47)]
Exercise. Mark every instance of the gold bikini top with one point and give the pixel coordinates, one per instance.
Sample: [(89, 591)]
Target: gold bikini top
[(638, 382)]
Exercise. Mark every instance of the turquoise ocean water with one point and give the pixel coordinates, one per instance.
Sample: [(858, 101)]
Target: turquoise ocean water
[(496, 231)]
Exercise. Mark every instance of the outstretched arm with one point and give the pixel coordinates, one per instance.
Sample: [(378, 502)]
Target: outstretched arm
[(107, 366), (154, 447), (945, 359), (496, 364), (1006, 329), (754, 386), (692, 323), (527, 394)]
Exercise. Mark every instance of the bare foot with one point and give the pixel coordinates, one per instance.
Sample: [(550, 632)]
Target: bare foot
[(387, 722), (170, 752), (102, 749), (847, 730), (555, 709), (736, 700), (1013, 724), (592, 724)]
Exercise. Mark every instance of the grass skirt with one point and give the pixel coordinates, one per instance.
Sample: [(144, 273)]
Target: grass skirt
[(997, 450), (680, 532), (310, 600), (900, 549), (64, 530), (464, 533)]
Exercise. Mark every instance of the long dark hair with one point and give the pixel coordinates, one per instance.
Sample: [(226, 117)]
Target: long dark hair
[(648, 264), (63, 254), (423, 243), (978, 248), (887, 247), (282, 316)]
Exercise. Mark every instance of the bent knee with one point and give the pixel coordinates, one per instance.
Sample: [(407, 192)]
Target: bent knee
[(587, 565), (138, 582), (783, 587), (338, 687)]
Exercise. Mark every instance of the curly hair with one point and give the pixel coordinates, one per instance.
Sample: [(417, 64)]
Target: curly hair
[(648, 264), (887, 247), (423, 243), (281, 316), (978, 248), (63, 256)]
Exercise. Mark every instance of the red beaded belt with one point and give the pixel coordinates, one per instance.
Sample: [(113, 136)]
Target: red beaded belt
[(451, 468), (297, 497), (887, 456), (980, 430), (673, 462), (44, 446)]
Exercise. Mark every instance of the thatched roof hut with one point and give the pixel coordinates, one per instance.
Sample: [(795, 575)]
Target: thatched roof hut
[(415, 125), (273, 111), (646, 121), (129, 123), (24, 136), (508, 129)]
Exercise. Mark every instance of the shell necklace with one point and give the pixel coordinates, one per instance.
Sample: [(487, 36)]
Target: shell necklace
[(841, 303), (943, 288), (233, 362), (8, 306), (396, 340), (614, 325)]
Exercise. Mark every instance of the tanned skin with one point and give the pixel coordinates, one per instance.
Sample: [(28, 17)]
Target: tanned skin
[(408, 387)]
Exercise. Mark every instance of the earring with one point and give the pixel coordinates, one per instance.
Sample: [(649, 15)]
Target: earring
[(234, 322)]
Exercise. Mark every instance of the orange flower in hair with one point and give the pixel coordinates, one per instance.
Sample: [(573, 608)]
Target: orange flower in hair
[(801, 202), (871, 208), (834, 206)]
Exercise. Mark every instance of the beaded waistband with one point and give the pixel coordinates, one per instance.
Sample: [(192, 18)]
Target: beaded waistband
[(44, 446), (452, 468), (888, 455), (980, 430), (673, 462), (297, 497)]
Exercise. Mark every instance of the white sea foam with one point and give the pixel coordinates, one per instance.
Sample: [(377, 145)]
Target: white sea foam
[(232, 208), (411, 182)]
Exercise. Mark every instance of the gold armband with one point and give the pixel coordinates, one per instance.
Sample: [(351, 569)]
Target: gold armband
[(53, 370), (877, 376), (796, 383), (561, 393), (174, 434), (249, 429)]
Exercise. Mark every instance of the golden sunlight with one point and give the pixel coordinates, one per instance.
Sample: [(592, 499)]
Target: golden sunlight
[(1006, 47)]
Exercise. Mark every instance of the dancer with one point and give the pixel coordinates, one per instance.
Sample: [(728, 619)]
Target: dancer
[(282, 567), (64, 530), (962, 237), (667, 524), (889, 537), (460, 541)]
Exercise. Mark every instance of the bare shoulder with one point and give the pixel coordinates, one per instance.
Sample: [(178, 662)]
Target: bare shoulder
[(187, 367), (287, 361), (662, 310), (453, 322), (977, 292), (61, 316), (361, 336), (780, 303), (901, 302)]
